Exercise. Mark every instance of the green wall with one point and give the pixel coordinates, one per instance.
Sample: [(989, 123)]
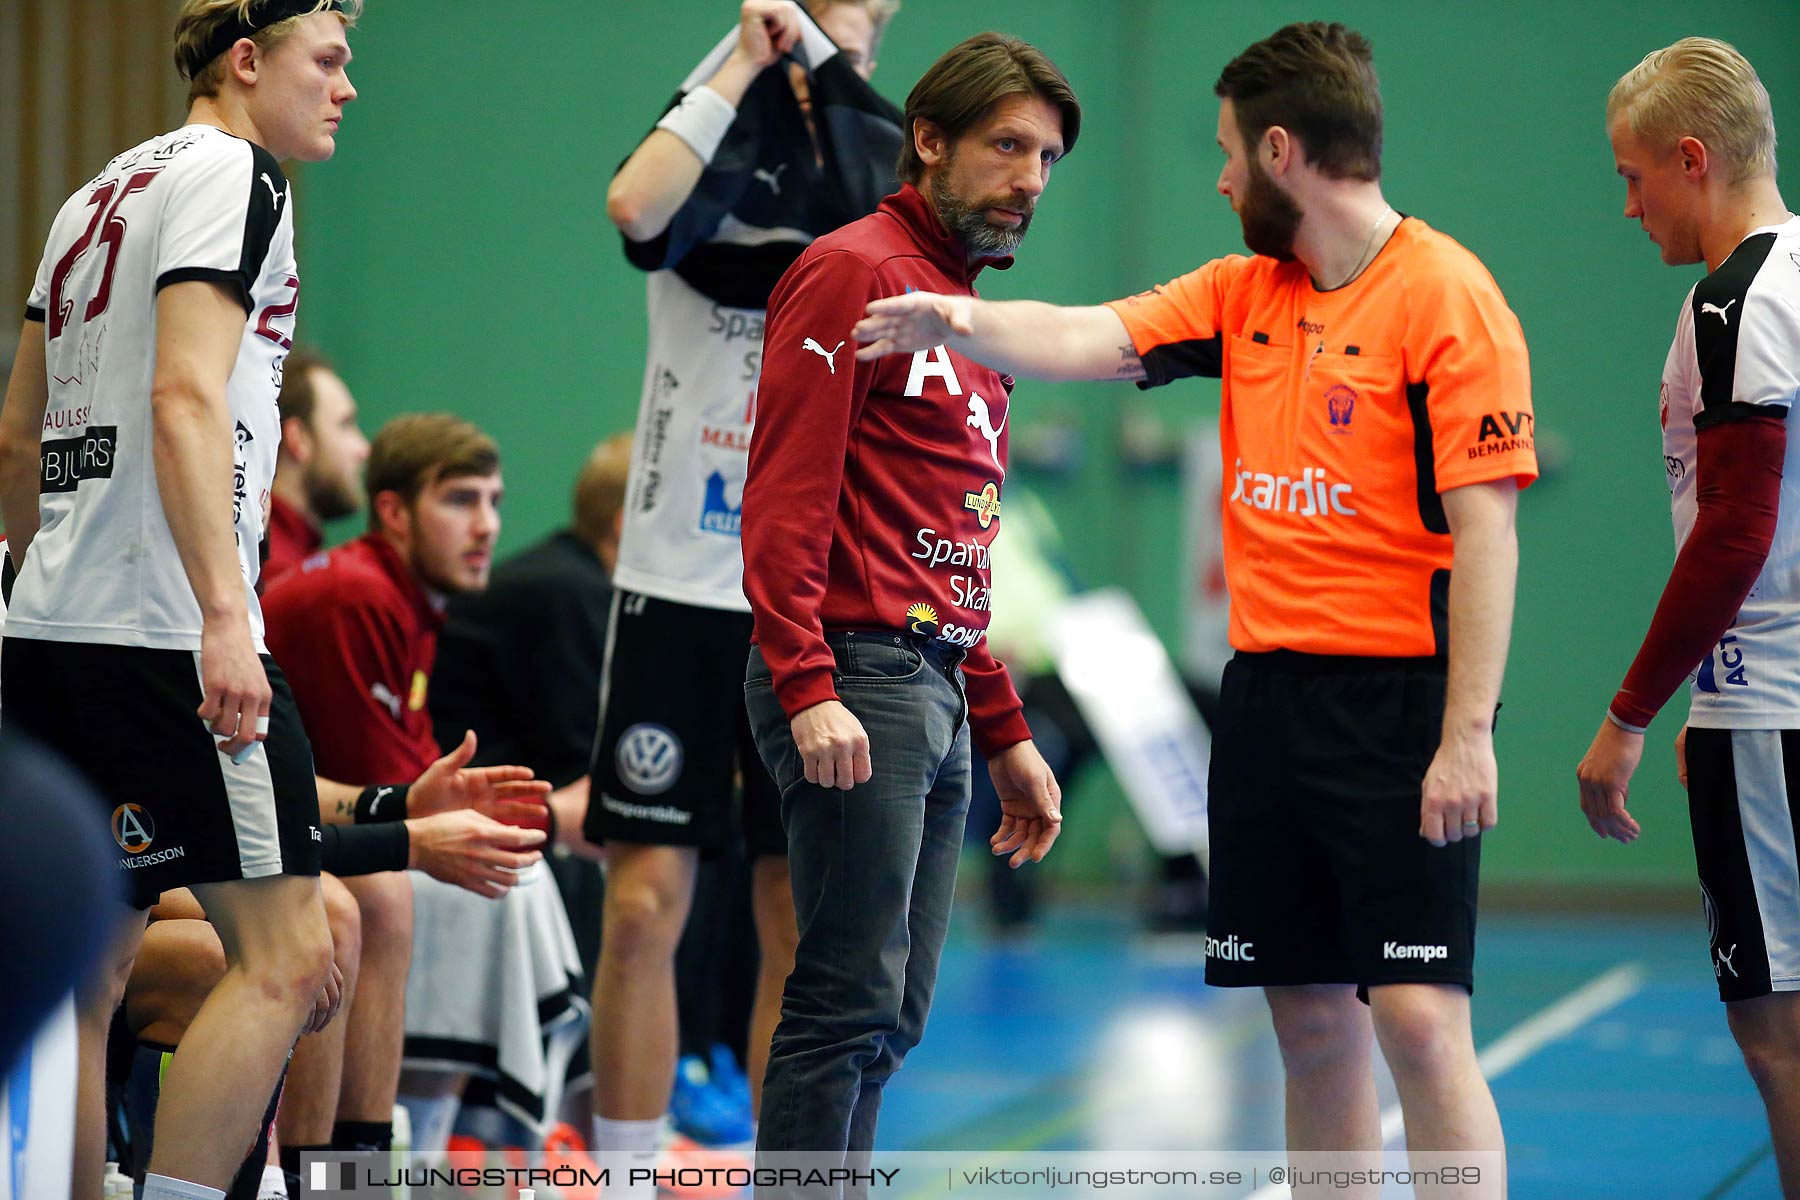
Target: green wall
[(456, 254)]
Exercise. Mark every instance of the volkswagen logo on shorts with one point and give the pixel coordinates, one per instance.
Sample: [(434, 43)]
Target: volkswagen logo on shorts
[(649, 759), (132, 828)]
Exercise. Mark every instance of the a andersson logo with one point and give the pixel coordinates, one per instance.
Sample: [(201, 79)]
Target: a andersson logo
[(1394, 950), (1230, 949), (133, 828), (1311, 495), (68, 461)]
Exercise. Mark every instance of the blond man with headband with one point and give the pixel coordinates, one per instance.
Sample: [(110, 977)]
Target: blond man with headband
[(137, 447), (1693, 137)]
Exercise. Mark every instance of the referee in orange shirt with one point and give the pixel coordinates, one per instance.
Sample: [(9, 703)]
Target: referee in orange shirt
[(1376, 427)]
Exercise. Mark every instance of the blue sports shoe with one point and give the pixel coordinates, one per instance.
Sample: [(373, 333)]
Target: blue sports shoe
[(729, 1078), (704, 1113)]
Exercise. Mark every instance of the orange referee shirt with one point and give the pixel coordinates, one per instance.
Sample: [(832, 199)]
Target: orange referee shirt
[(1346, 414)]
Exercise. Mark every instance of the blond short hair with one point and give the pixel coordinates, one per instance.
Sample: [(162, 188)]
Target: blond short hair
[(600, 489), (199, 20), (880, 11), (1701, 88)]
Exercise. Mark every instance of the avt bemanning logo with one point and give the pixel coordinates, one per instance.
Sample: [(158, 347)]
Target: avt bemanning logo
[(1395, 951), (1230, 949)]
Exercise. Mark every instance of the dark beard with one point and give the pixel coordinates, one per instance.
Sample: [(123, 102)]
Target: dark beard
[(329, 500), (1269, 216), (969, 222)]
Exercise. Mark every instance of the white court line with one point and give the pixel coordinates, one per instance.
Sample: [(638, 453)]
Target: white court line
[(1523, 1040)]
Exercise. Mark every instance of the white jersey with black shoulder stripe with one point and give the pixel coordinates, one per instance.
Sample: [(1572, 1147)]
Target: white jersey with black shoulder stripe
[(1736, 355), (194, 204)]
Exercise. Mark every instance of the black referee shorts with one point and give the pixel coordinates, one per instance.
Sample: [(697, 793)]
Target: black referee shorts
[(180, 812), (1319, 874)]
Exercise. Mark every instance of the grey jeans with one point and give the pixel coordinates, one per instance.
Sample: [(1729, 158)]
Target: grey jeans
[(873, 869)]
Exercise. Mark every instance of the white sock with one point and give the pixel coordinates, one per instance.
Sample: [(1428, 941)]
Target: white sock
[(274, 1185), (161, 1187), (620, 1146), (432, 1118)]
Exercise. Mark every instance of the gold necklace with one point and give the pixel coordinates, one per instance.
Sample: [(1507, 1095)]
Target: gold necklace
[(1362, 260)]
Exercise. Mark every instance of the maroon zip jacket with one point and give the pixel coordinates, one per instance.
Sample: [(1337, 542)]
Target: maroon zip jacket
[(356, 635), (874, 488)]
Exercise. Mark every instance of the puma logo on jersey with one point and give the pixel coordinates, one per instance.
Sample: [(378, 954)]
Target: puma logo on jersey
[(772, 178), (1716, 310), (827, 355), (982, 422), (385, 697), (274, 196)]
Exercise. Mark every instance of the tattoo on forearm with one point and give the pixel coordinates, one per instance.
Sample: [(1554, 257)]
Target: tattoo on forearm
[(346, 808), (1131, 365)]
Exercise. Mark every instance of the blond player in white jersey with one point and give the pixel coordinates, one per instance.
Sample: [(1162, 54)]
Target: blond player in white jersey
[(1693, 136), (137, 448)]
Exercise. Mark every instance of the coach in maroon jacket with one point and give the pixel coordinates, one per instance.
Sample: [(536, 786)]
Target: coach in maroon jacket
[(874, 492)]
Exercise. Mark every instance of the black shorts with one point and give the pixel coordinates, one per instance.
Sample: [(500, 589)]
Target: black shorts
[(1319, 874), (674, 738), (1742, 791), (181, 812)]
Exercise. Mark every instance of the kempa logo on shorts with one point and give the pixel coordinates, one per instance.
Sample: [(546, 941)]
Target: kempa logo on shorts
[(649, 759), (133, 828), (1394, 950), (1230, 949)]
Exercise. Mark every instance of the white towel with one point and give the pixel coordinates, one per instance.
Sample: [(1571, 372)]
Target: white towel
[(495, 990)]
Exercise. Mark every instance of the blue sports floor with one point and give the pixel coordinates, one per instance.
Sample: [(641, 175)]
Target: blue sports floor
[(1603, 1036)]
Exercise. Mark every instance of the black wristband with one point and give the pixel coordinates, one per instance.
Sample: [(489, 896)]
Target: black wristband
[(364, 849), (381, 802)]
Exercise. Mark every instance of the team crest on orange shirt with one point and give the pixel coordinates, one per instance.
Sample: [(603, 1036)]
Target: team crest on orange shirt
[(1340, 406)]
